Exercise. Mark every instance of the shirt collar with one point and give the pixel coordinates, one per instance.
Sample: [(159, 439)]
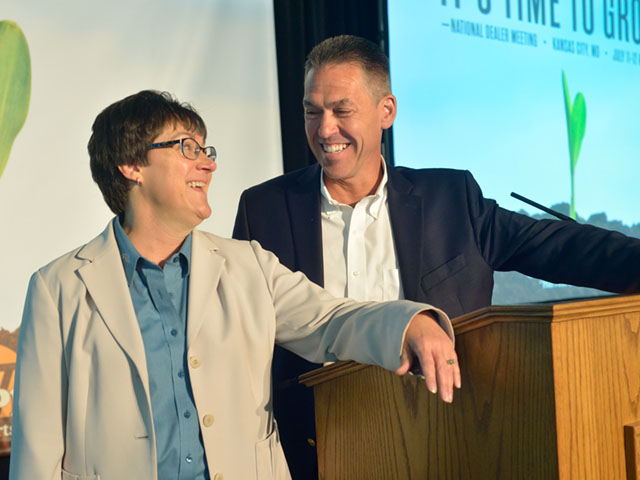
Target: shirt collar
[(184, 254), (374, 201), (131, 257)]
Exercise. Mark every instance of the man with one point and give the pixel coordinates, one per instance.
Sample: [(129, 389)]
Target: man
[(368, 231), (146, 353)]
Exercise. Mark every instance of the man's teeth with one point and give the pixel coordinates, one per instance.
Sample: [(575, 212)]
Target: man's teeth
[(196, 184), (335, 148)]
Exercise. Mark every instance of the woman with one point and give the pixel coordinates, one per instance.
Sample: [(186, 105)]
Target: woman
[(146, 353)]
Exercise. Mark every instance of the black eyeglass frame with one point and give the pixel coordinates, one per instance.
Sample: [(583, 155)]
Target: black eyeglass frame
[(209, 151)]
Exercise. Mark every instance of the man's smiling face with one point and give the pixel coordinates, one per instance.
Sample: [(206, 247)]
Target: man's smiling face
[(344, 122)]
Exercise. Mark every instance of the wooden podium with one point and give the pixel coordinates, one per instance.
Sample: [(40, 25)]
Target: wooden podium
[(548, 392)]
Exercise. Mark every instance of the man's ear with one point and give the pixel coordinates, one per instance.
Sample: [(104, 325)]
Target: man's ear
[(131, 172), (389, 109)]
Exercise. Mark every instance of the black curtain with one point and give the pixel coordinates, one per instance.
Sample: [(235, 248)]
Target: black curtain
[(299, 26)]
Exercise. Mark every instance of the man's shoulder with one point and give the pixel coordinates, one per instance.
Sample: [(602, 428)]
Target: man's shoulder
[(308, 177), (429, 173), (429, 178)]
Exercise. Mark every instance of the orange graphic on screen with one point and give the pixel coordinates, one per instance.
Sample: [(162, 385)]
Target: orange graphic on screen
[(7, 374)]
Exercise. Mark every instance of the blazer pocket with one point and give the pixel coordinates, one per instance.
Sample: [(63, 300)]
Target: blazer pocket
[(270, 461), (442, 272), (72, 476)]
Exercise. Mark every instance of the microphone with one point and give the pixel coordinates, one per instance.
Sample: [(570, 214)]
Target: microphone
[(559, 215)]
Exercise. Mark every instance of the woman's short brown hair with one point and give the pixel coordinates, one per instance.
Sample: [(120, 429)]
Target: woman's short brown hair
[(121, 135)]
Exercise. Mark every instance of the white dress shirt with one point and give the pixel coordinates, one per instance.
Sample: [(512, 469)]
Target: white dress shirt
[(359, 256)]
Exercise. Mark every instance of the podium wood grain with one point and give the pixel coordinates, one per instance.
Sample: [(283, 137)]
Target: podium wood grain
[(546, 393)]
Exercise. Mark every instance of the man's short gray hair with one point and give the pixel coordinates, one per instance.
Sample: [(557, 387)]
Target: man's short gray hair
[(356, 50)]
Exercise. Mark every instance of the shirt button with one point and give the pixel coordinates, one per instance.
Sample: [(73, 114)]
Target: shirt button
[(175, 259), (356, 273), (207, 420), (218, 476), (181, 374), (195, 361), (187, 414), (174, 332), (311, 442), (188, 459)]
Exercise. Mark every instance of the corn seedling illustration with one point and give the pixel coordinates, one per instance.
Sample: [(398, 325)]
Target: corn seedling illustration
[(576, 125), (15, 86)]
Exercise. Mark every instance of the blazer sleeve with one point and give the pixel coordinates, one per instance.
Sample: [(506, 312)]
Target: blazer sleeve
[(319, 327), (553, 250), (40, 393)]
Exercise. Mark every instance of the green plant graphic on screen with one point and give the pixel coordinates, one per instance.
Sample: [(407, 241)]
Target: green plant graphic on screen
[(576, 125), (15, 86)]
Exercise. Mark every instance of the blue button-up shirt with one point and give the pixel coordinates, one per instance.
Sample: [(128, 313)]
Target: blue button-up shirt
[(160, 301)]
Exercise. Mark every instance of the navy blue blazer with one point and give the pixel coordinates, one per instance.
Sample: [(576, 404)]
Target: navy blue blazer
[(449, 240)]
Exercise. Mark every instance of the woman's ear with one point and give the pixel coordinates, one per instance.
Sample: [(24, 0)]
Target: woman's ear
[(131, 172)]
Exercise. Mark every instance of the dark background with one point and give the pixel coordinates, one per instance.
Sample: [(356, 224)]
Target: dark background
[(299, 26)]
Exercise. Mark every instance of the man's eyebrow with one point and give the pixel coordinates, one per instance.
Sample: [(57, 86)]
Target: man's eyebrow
[(337, 103)]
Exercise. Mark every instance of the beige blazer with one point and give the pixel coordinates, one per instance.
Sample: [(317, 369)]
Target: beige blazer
[(81, 406)]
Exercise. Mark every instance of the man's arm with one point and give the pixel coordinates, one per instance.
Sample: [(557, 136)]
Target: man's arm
[(553, 250)]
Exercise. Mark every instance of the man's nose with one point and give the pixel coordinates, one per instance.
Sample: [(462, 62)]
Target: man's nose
[(328, 126)]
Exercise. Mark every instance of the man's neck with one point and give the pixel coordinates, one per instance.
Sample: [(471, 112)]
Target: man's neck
[(350, 191)]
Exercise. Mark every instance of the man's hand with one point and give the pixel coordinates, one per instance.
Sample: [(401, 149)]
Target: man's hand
[(426, 340)]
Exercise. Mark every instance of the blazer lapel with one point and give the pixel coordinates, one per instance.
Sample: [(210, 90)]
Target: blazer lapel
[(407, 227), (206, 268), (106, 283), (303, 201)]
